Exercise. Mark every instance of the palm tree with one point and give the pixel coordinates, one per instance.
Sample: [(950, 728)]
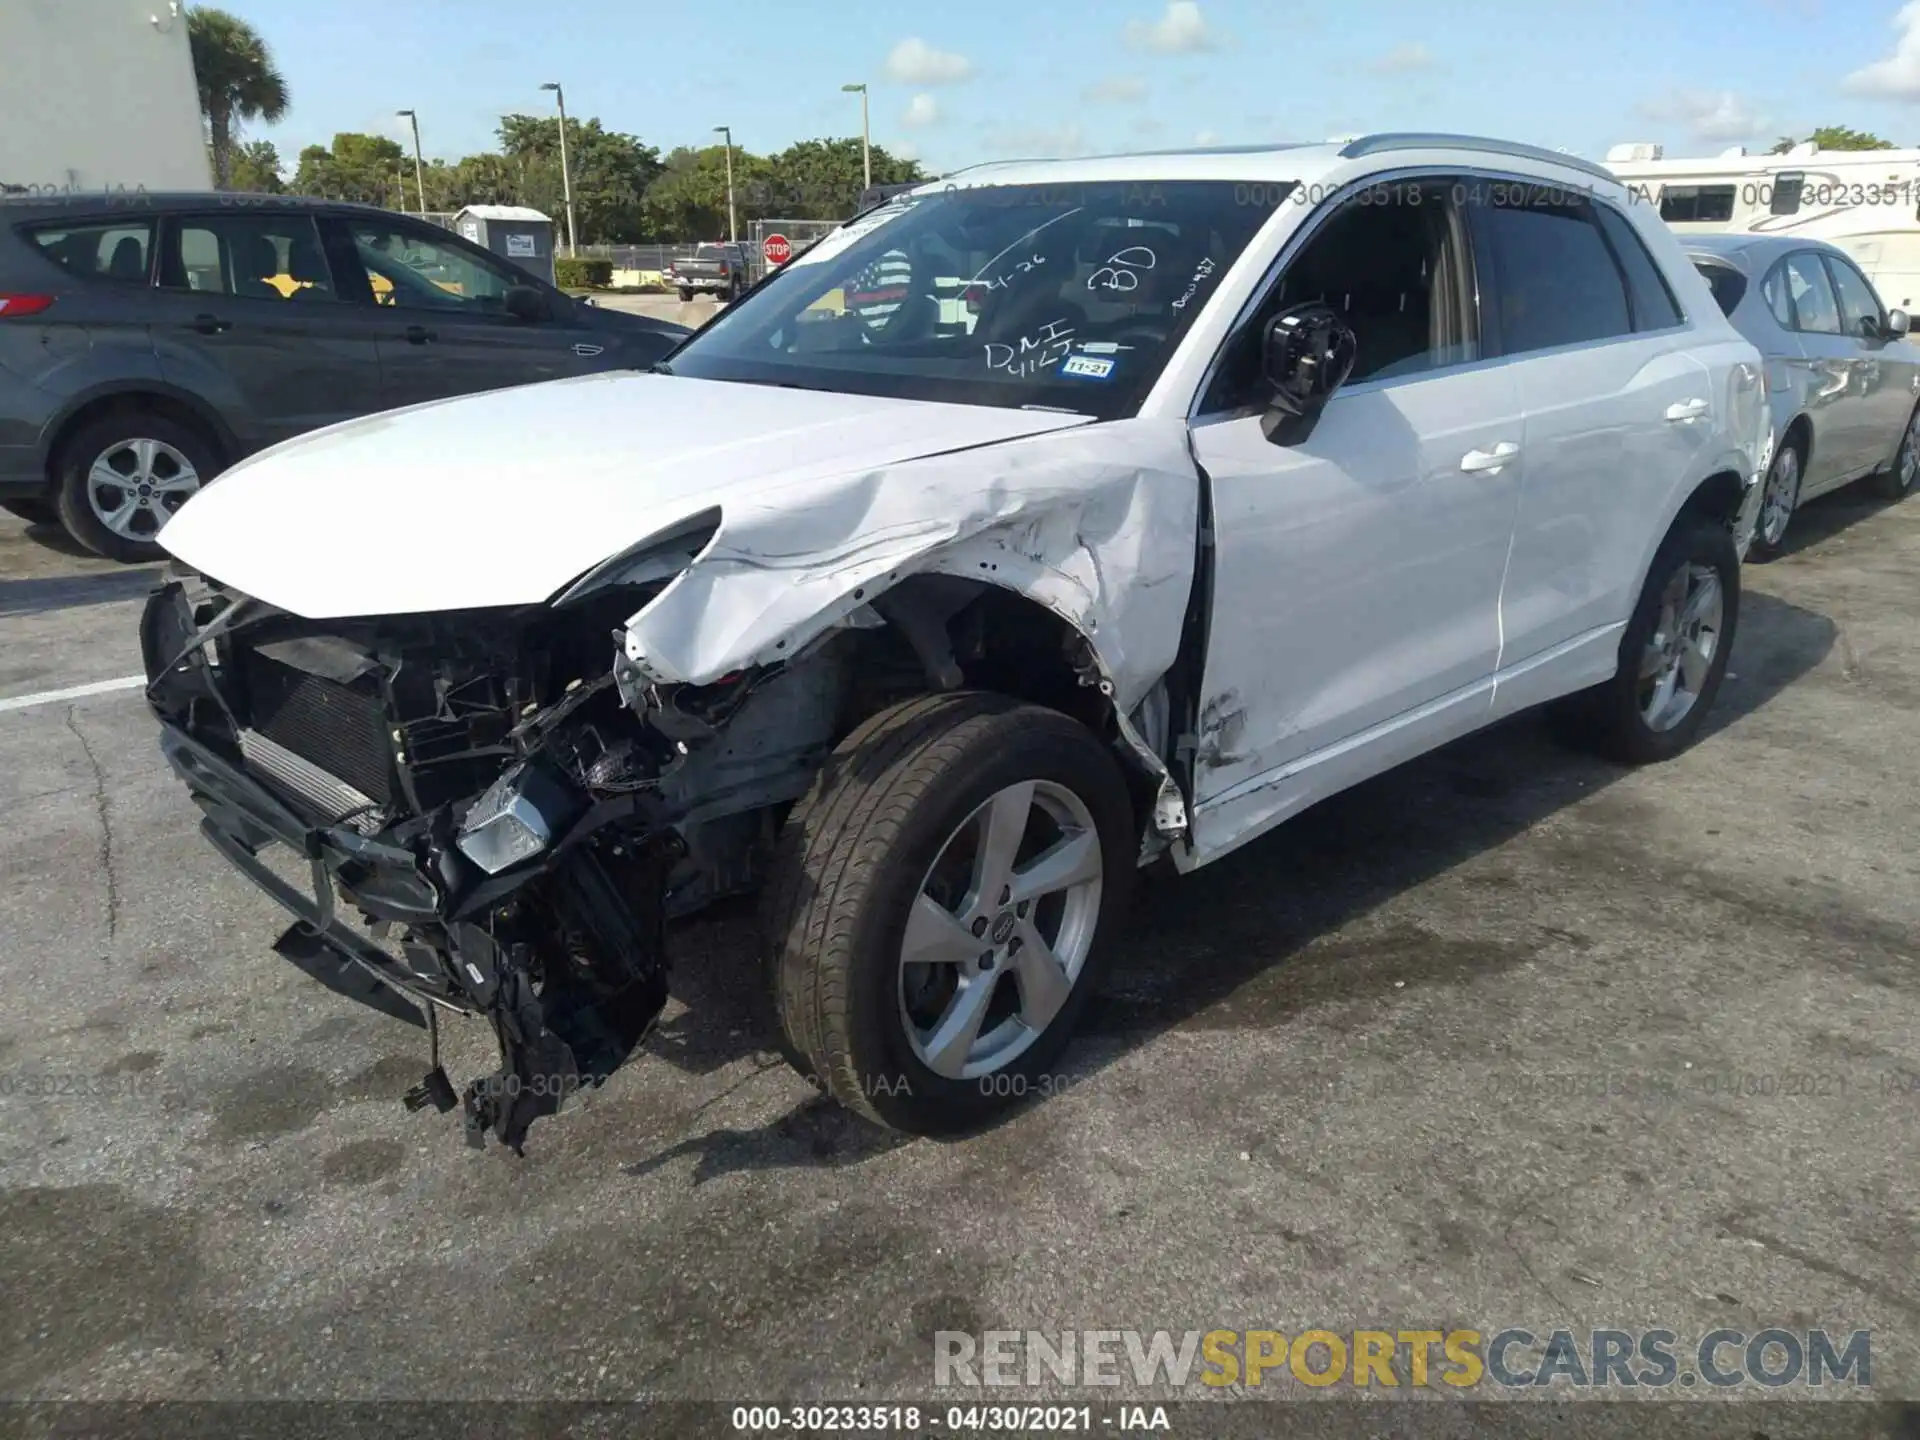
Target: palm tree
[(237, 77)]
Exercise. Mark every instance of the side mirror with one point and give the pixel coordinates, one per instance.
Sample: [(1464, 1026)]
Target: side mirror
[(1898, 323), (1306, 354), (523, 302)]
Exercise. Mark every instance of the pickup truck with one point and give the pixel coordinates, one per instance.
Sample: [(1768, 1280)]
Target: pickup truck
[(716, 269)]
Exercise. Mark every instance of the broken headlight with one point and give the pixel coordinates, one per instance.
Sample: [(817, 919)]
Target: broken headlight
[(516, 818)]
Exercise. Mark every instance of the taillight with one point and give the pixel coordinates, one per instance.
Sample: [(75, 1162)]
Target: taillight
[(12, 307)]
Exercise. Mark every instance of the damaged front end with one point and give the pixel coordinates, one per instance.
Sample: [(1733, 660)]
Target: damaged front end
[(512, 808)]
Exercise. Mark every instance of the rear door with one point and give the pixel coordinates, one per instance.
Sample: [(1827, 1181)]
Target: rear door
[(439, 307), (1617, 409), (98, 269), (1837, 397), (249, 317)]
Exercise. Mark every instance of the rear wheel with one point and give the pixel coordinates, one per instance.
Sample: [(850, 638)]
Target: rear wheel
[(124, 475), (1898, 480), (1777, 504), (942, 904), (1672, 656), (686, 294), (34, 512)]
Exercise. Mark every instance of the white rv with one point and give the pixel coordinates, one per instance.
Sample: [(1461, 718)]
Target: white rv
[(1865, 201), (100, 95)]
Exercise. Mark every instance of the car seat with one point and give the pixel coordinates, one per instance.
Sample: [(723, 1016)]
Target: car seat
[(129, 260), (255, 258), (308, 269)]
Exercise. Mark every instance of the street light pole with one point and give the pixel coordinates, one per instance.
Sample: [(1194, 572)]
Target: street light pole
[(419, 180), (566, 175), (733, 234), (866, 133)]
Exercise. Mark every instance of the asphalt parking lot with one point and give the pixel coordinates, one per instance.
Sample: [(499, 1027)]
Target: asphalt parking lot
[(1505, 1038)]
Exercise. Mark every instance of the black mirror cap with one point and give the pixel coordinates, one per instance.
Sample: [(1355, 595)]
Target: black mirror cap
[(1308, 352), (525, 302)]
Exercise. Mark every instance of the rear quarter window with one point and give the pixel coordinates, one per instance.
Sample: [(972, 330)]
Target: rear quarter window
[(1729, 286), (118, 250)]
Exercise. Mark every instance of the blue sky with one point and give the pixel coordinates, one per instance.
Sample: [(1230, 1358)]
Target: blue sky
[(958, 83)]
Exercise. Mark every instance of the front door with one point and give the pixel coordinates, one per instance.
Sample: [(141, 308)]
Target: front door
[(248, 316), (1837, 401), (1885, 374), (1355, 615), (444, 326)]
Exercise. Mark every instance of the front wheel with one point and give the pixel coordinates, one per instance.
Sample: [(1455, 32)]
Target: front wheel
[(1672, 656), (686, 294), (941, 906), (1897, 481)]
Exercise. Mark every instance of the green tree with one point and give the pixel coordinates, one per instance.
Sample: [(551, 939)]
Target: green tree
[(822, 179), (237, 79), (1835, 137), (611, 173), (369, 168), (255, 167), (688, 201)]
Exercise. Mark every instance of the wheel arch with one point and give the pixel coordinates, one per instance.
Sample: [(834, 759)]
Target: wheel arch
[(155, 397)]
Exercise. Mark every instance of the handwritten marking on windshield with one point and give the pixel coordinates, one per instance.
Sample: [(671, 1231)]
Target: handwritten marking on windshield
[(1046, 347), (1202, 274), (1121, 272)]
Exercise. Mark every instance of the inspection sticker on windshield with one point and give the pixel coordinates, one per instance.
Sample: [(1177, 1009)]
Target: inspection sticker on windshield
[(1088, 367)]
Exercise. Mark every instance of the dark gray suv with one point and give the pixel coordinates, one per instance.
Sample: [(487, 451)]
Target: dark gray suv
[(148, 342)]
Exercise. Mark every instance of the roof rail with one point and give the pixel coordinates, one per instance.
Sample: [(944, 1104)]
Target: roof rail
[(1422, 140)]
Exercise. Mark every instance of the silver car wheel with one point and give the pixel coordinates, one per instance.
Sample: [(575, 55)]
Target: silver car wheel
[(1782, 496), (1679, 654), (135, 486), (1000, 929), (1909, 465)]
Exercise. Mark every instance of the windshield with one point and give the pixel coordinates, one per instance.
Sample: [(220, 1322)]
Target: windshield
[(1069, 297)]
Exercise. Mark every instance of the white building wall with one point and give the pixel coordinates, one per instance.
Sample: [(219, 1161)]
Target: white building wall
[(99, 95)]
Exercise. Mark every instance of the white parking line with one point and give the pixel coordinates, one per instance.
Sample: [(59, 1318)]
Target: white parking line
[(74, 692)]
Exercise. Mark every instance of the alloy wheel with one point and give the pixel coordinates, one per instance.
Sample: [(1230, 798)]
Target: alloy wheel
[(1679, 654), (136, 485), (1782, 496), (1000, 929)]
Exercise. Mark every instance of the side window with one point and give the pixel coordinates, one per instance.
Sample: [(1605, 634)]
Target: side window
[(1774, 290), (112, 250), (412, 269), (1555, 280), (1859, 306), (1785, 199), (1698, 203), (249, 255), (1397, 272), (1653, 303), (1814, 307), (1728, 284)]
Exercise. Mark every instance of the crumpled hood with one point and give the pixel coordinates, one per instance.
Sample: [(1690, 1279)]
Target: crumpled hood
[(503, 498)]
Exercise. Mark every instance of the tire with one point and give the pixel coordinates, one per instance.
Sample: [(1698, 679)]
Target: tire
[(34, 512), (858, 857), (1898, 480), (1612, 719), (1778, 503), (686, 294), (118, 440)]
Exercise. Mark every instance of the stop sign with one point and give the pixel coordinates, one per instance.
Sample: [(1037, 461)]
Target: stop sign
[(777, 248)]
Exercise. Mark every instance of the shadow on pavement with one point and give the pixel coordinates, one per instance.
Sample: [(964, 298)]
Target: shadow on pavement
[(68, 592)]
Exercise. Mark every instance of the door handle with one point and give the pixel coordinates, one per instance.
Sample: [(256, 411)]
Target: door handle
[(1488, 461), (1687, 409), (210, 324), (586, 351), (419, 335)]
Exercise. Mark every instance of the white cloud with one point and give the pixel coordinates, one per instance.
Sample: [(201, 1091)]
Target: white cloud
[(1180, 31), (904, 150), (1712, 115), (1404, 58), (922, 110), (1206, 137), (1039, 144), (1116, 90), (1898, 76), (914, 62)]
